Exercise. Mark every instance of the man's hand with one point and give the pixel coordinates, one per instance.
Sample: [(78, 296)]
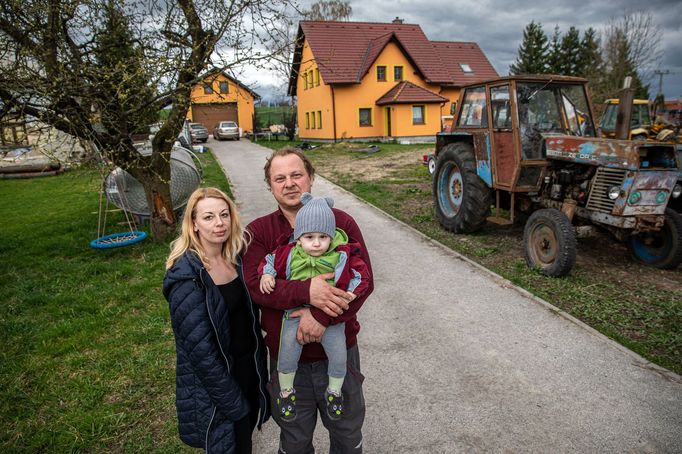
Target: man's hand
[(329, 299), (267, 284), (309, 329)]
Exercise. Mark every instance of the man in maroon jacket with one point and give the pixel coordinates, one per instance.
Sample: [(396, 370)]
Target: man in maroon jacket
[(289, 174)]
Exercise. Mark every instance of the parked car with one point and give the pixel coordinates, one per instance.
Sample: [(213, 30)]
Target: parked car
[(198, 132), (226, 130)]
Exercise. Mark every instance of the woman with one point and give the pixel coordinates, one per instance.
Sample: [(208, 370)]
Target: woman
[(221, 370)]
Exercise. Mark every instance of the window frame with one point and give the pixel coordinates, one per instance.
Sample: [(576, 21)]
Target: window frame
[(423, 112), (384, 79), (402, 73), (220, 87), (208, 88), (317, 77), (307, 120), (369, 110), (319, 119)]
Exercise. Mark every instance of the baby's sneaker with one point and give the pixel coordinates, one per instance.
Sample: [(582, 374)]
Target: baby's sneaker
[(334, 405), (286, 402)]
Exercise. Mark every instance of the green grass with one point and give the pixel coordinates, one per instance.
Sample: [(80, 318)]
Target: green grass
[(619, 299), (267, 116), (87, 363)]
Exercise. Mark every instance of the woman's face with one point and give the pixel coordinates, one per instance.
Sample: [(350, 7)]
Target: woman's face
[(212, 221)]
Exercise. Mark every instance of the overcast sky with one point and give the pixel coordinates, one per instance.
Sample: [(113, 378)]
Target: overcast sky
[(497, 25)]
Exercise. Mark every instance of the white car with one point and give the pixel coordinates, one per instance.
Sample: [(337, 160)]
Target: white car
[(226, 130)]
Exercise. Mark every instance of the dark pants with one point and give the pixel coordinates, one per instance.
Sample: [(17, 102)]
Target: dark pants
[(345, 435)]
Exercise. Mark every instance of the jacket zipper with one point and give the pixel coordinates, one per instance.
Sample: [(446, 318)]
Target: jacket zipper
[(227, 364)]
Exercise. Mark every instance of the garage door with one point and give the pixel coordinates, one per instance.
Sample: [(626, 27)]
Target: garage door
[(211, 114)]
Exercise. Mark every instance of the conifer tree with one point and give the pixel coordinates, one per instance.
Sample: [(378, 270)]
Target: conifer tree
[(590, 61), (554, 58), (570, 51), (532, 57)]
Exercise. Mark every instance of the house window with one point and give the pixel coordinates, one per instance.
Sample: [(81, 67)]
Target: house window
[(312, 120), (418, 115), (365, 117), (466, 68), (305, 81), (381, 73), (307, 120), (319, 119), (208, 89), (310, 75), (223, 87), (397, 73), (317, 77)]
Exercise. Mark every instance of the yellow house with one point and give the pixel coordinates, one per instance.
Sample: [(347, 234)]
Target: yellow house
[(378, 81), (219, 97)]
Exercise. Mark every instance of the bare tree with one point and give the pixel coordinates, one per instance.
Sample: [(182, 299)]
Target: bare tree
[(643, 37), (332, 10), (100, 69)]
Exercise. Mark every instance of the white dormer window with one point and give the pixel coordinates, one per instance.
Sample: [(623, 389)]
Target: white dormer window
[(466, 68)]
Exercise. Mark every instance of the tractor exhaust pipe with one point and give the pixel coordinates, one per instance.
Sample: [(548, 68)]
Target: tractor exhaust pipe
[(626, 97)]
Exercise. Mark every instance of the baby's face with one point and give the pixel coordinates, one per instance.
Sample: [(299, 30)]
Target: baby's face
[(315, 243)]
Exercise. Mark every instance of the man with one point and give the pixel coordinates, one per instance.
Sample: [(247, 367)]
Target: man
[(289, 174)]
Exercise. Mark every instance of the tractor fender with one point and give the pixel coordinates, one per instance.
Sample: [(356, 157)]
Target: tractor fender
[(479, 141)]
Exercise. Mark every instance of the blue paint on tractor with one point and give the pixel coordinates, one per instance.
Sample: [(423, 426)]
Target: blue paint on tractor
[(483, 166)]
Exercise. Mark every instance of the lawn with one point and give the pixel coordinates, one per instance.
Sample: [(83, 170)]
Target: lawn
[(640, 307), (88, 360)]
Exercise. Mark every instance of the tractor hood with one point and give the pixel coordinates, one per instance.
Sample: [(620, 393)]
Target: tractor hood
[(618, 154)]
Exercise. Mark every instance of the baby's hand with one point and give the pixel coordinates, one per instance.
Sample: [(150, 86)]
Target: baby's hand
[(267, 283)]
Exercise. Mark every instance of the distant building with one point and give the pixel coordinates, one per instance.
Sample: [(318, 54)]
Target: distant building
[(359, 80), (219, 97)]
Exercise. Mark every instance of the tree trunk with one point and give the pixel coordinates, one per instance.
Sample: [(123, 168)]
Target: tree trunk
[(157, 190)]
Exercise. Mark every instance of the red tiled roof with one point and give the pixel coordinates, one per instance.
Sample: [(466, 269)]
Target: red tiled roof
[(406, 92), (452, 53), (345, 51)]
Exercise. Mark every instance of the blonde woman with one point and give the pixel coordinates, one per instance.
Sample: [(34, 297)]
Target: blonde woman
[(221, 370)]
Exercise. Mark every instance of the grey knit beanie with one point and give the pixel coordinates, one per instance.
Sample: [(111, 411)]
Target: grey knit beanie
[(316, 215)]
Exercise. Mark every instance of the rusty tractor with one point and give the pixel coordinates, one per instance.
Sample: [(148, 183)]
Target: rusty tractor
[(527, 146)]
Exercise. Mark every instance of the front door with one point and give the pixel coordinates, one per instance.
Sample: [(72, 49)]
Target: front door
[(388, 121)]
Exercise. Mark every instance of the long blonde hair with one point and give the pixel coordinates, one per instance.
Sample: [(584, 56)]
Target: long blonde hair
[(189, 240)]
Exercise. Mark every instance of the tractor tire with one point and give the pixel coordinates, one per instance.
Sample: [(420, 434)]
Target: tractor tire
[(662, 249), (431, 164), (462, 199), (549, 242)]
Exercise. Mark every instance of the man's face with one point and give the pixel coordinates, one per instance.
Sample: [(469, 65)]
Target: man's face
[(289, 180)]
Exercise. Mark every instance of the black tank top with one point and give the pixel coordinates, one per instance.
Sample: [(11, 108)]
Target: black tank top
[(243, 342)]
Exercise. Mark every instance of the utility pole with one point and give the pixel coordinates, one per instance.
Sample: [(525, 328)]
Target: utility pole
[(660, 75)]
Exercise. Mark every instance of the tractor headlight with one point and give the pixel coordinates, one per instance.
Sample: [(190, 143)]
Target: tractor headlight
[(661, 196), (677, 190), (613, 192), (635, 197)]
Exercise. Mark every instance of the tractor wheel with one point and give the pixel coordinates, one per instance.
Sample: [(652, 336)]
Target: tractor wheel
[(462, 199), (549, 242), (431, 164), (661, 249)]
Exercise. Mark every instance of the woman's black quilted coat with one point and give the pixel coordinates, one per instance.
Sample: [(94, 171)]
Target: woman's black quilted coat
[(208, 400)]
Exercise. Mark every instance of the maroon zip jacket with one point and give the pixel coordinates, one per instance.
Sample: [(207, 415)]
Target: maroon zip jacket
[(268, 233)]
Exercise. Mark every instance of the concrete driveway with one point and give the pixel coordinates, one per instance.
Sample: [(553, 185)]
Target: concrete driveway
[(457, 359)]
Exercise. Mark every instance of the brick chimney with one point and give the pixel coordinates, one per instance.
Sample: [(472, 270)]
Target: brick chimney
[(397, 21)]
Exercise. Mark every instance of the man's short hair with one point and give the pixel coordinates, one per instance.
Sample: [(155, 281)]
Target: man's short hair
[(284, 152)]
